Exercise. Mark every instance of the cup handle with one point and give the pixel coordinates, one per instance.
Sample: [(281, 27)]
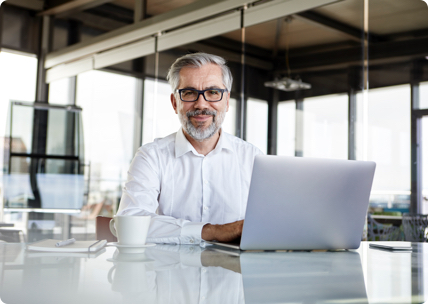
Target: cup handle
[(109, 276), (112, 229)]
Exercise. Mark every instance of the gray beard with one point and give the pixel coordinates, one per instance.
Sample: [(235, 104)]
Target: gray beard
[(198, 133)]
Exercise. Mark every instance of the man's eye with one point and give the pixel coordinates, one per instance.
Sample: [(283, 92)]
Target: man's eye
[(188, 93), (214, 92)]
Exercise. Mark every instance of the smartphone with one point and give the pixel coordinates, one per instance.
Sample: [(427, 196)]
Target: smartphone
[(394, 246)]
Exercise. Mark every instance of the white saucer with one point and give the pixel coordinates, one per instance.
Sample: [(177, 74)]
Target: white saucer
[(137, 259), (131, 248)]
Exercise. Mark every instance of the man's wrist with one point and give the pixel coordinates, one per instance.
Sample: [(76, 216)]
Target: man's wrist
[(208, 232)]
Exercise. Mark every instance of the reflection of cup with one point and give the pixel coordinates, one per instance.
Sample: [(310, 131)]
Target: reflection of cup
[(130, 230), (128, 275)]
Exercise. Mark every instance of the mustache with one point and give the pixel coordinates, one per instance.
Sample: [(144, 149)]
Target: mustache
[(201, 112)]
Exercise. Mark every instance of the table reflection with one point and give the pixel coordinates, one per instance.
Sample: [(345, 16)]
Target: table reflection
[(180, 276), (303, 277), (191, 274)]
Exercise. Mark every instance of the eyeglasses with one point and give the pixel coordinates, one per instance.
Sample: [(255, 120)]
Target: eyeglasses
[(211, 95)]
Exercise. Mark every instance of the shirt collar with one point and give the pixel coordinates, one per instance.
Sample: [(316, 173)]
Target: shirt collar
[(182, 145), (224, 142)]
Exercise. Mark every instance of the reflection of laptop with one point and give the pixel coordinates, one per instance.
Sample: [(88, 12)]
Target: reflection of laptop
[(296, 277), (299, 203), (302, 277)]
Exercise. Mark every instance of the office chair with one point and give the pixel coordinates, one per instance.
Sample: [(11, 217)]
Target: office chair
[(415, 227), (381, 232), (102, 229)]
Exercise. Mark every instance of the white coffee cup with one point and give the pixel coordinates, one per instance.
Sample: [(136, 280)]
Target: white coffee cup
[(130, 230)]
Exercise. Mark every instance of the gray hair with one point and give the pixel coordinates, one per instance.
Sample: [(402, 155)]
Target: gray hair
[(198, 60)]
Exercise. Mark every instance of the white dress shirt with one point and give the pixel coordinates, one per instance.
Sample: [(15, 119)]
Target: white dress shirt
[(183, 190)]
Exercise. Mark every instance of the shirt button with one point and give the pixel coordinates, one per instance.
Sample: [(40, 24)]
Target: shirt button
[(206, 182), (205, 208), (191, 241)]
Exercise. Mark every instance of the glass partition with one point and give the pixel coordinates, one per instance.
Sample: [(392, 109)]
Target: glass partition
[(286, 128), (257, 123), (159, 118), (108, 106), (62, 91), (18, 81), (325, 126), (18, 72), (385, 132), (42, 160), (387, 143), (229, 123)]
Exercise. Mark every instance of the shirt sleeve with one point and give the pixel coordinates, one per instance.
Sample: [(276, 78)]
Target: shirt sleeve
[(140, 197)]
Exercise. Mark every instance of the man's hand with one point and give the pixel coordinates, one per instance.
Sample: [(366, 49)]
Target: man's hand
[(222, 233)]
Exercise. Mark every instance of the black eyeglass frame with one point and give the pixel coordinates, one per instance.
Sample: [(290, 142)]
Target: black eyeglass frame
[(201, 92)]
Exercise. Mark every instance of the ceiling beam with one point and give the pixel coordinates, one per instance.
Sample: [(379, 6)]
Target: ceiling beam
[(114, 12), (231, 56), (140, 10), (72, 7), (172, 20), (350, 31), (36, 5), (380, 52), (97, 22), (139, 30)]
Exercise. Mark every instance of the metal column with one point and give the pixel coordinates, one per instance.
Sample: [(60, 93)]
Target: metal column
[(416, 141)]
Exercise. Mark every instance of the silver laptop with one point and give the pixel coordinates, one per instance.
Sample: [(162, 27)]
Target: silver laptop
[(299, 203)]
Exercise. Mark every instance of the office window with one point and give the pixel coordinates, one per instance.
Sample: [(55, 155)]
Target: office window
[(325, 126), (108, 111), (60, 92), (286, 128), (387, 142), (423, 95), (18, 75), (159, 118), (257, 115), (229, 123)]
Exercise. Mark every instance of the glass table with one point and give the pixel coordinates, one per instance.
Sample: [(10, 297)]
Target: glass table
[(191, 274)]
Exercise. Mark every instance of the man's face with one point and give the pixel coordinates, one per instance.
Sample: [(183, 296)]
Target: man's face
[(201, 119)]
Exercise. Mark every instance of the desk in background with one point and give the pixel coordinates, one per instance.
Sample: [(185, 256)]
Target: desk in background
[(190, 274), (2, 225)]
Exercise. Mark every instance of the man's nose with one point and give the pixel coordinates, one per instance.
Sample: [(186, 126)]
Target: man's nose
[(201, 103)]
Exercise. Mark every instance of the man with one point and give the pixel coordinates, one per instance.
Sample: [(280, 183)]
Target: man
[(193, 183)]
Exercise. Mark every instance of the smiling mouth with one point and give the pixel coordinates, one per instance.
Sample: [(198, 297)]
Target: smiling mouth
[(201, 117)]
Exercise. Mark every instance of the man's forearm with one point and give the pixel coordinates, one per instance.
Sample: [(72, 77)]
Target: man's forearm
[(223, 233)]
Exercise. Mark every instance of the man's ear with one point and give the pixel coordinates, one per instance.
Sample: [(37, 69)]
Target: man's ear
[(227, 101), (174, 103)]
